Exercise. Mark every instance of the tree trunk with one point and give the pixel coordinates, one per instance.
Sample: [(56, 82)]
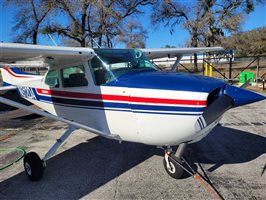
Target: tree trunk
[(83, 42), (91, 41), (83, 25), (194, 43), (100, 40), (109, 44), (100, 36), (195, 63), (34, 36)]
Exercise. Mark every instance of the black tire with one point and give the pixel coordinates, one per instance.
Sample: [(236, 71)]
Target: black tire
[(175, 170), (33, 166)]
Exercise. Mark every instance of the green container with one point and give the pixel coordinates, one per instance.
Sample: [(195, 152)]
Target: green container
[(245, 76)]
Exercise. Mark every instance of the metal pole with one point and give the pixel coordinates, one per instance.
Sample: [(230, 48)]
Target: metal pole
[(257, 71), (230, 65), (203, 71), (203, 62)]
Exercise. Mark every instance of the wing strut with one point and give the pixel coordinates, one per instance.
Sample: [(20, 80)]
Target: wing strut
[(178, 58), (48, 115), (58, 142), (33, 165)]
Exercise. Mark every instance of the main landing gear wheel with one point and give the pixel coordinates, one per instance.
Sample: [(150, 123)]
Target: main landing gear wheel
[(33, 166), (173, 169)]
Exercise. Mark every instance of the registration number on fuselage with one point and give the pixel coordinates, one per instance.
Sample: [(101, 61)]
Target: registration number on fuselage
[(26, 92)]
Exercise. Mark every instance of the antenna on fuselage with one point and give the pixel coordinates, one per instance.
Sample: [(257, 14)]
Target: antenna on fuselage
[(52, 39), (96, 43)]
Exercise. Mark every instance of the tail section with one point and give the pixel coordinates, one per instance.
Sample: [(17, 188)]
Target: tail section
[(13, 76)]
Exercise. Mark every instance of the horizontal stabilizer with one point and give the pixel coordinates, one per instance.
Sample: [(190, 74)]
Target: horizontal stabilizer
[(4, 89)]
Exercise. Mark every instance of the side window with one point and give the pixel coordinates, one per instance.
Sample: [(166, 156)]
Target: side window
[(74, 77), (52, 79), (100, 73)]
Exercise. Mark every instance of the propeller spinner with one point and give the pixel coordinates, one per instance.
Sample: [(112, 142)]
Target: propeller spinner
[(229, 97)]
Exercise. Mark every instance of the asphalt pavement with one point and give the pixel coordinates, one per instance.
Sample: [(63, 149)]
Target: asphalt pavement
[(92, 167)]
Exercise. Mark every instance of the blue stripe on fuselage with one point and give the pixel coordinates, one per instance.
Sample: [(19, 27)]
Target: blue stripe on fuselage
[(6, 84), (17, 71), (117, 105)]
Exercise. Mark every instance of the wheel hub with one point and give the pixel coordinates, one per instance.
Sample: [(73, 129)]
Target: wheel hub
[(171, 168), (27, 167)]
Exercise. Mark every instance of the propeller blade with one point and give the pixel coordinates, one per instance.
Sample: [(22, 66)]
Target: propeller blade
[(246, 83), (215, 110)]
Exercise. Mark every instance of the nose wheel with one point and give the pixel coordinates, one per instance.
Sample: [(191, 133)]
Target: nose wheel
[(173, 169), (172, 162), (33, 166), (175, 165)]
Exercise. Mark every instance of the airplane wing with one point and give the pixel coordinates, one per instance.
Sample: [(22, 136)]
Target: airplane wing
[(177, 52), (12, 53), (52, 55)]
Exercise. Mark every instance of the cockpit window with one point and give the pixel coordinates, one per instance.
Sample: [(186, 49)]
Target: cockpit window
[(110, 64), (74, 77), (52, 79)]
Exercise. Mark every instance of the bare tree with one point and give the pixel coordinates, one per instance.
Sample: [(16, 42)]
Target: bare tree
[(29, 18), (89, 19), (208, 22), (133, 35)]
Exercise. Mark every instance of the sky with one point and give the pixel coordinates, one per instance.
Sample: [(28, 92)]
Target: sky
[(157, 38)]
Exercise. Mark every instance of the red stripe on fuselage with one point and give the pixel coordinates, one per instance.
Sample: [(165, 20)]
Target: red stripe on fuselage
[(120, 98), (18, 76)]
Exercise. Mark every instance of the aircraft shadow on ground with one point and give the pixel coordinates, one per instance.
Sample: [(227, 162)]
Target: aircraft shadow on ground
[(80, 170), (227, 146), (84, 168), (29, 117)]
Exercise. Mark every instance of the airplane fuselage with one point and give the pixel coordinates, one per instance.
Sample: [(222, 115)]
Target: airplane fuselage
[(155, 108), (120, 92)]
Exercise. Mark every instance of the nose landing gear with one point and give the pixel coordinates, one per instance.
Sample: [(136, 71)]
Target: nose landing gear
[(172, 162), (175, 165)]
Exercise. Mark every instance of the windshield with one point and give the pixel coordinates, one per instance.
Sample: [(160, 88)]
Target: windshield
[(110, 64)]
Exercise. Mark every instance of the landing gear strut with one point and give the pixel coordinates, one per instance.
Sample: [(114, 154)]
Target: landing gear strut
[(34, 166), (175, 165), (172, 162)]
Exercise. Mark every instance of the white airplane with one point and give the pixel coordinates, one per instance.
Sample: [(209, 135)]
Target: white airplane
[(119, 94)]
